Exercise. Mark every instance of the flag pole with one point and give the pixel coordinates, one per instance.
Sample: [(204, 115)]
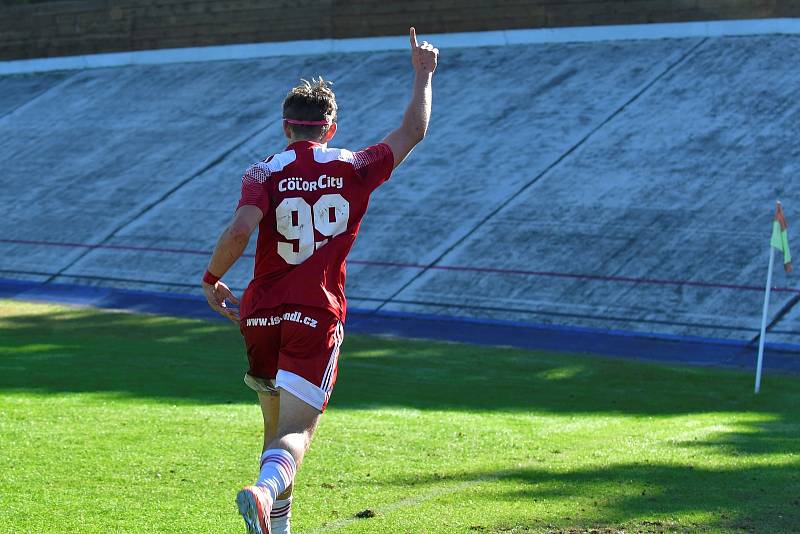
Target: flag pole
[(762, 337)]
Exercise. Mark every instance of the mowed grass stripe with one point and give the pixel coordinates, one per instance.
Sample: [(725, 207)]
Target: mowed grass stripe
[(116, 422)]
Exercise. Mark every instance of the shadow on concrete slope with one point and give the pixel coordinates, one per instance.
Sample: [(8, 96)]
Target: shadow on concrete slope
[(617, 185)]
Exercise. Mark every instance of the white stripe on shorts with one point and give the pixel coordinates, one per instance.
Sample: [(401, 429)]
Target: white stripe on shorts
[(327, 378)]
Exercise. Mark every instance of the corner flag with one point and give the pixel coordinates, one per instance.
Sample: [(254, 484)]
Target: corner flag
[(779, 239)]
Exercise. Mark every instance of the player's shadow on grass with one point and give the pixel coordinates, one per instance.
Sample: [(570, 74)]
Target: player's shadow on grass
[(82, 350), (643, 497)]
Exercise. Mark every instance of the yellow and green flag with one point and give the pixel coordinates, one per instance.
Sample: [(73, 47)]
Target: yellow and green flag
[(780, 239)]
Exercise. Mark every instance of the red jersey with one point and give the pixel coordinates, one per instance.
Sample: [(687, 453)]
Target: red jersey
[(313, 199)]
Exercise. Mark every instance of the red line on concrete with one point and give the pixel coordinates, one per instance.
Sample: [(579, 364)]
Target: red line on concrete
[(461, 268)]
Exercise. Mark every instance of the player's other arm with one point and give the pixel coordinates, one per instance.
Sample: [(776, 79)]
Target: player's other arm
[(230, 247), (424, 58)]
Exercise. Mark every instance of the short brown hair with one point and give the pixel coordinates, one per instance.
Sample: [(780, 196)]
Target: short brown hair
[(310, 101)]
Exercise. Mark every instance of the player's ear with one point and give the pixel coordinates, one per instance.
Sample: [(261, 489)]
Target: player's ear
[(330, 133), (286, 130)]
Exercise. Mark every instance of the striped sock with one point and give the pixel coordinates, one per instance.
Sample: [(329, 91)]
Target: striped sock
[(280, 515), (277, 471)]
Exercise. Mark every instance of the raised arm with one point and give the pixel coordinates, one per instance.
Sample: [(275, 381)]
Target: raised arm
[(424, 58), (230, 247)]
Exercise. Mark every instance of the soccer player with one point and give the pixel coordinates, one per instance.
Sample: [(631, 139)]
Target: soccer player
[(307, 202)]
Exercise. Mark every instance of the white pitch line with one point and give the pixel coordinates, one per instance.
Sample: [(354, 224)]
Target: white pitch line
[(414, 501)]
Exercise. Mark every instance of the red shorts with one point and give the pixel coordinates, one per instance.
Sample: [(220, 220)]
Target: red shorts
[(296, 345)]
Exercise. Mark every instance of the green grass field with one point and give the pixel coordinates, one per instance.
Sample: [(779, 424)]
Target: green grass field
[(115, 422)]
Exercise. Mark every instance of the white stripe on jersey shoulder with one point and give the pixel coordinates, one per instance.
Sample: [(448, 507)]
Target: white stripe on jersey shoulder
[(358, 160), (259, 172), (326, 155)]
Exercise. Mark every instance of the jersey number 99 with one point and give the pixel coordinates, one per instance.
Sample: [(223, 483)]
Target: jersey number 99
[(296, 221)]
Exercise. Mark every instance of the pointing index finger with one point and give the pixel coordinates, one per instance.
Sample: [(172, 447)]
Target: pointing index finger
[(412, 34)]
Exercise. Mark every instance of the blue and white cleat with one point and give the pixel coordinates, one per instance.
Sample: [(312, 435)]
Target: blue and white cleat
[(254, 505)]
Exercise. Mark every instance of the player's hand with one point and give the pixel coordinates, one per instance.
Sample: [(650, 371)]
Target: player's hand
[(424, 57), (217, 296)]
